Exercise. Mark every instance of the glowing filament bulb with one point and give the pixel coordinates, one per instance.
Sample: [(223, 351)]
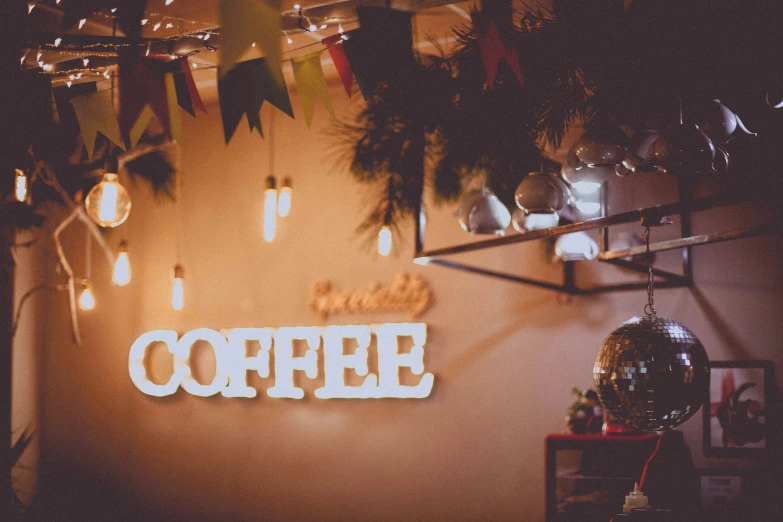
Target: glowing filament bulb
[(21, 185), (122, 270), (270, 209), (82, 22), (86, 298), (284, 201), (178, 288), (108, 203), (384, 241)]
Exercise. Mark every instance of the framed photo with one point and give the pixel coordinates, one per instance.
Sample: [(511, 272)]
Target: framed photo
[(735, 413)]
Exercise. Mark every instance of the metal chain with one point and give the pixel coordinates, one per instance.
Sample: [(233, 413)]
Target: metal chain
[(649, 308)]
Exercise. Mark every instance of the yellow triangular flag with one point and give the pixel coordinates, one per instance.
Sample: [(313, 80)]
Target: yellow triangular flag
[(311, 84), (95, 113), (142, 121), (174, 120), (245, 22)]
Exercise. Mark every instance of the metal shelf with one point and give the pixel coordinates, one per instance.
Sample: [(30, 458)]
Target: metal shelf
[(684, 207)]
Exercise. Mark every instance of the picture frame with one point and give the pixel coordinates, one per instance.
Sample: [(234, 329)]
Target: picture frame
[(735, 409)]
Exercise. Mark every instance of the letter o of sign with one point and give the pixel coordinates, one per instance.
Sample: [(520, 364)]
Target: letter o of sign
[(222, 361)]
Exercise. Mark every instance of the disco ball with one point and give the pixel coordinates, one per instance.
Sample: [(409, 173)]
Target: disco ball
[(652, 373)]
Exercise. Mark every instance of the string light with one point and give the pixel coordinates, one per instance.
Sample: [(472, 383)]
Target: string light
[(68, 83), (284, 200), (206, 36), (144, 21), (122, 270), (297, 7), (106, 74), (178, 288), (340, 28), (24, 57), (147, 52), (113, 9), (195, 65), (57, 42), (82, 22), (156, 26), (169, 26), (288, 39), (384, 241), (323, 26), (85, 61), (38, 55), (86, 298), (21, 185), (30, 7), (270, 209), (254, 44), (312, 28), (169, 2)]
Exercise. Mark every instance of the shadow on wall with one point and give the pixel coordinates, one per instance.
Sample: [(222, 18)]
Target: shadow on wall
[(738, 349), (70, 496)]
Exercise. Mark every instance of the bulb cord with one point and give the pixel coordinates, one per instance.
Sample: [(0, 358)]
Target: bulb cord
[(649, 308)]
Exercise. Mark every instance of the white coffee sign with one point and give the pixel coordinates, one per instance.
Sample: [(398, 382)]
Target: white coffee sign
[(232, 362)]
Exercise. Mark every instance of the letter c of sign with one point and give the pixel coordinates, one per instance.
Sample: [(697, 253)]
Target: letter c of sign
[(138, 370)]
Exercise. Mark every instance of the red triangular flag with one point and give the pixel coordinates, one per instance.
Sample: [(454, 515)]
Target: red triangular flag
[(142, 82), (337, 53), (493, 49)]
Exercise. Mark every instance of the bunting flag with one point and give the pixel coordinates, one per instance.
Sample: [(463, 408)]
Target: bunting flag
[(336, 51), (95, 113), (62, 101), (144, 85), (129, 13), (247, 22), (381, 50), (311, 84), (187, 94), (493, 49), (244, 89)]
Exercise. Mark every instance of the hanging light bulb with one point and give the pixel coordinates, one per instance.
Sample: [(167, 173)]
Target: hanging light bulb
[(86, 298), (122, 270), (21, 185), (178, 289), (284, 200), (108, 203), (384, 241), (270, 208)]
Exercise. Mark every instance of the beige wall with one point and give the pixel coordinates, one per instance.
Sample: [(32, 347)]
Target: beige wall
[(505, 356), (26, 375)]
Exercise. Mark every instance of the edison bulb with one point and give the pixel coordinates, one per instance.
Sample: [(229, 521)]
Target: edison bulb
[(108, 203), (178, 288), (384, 241), (87, 298), (284, 200), (21, 185), (270, 209), (122, 270)]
